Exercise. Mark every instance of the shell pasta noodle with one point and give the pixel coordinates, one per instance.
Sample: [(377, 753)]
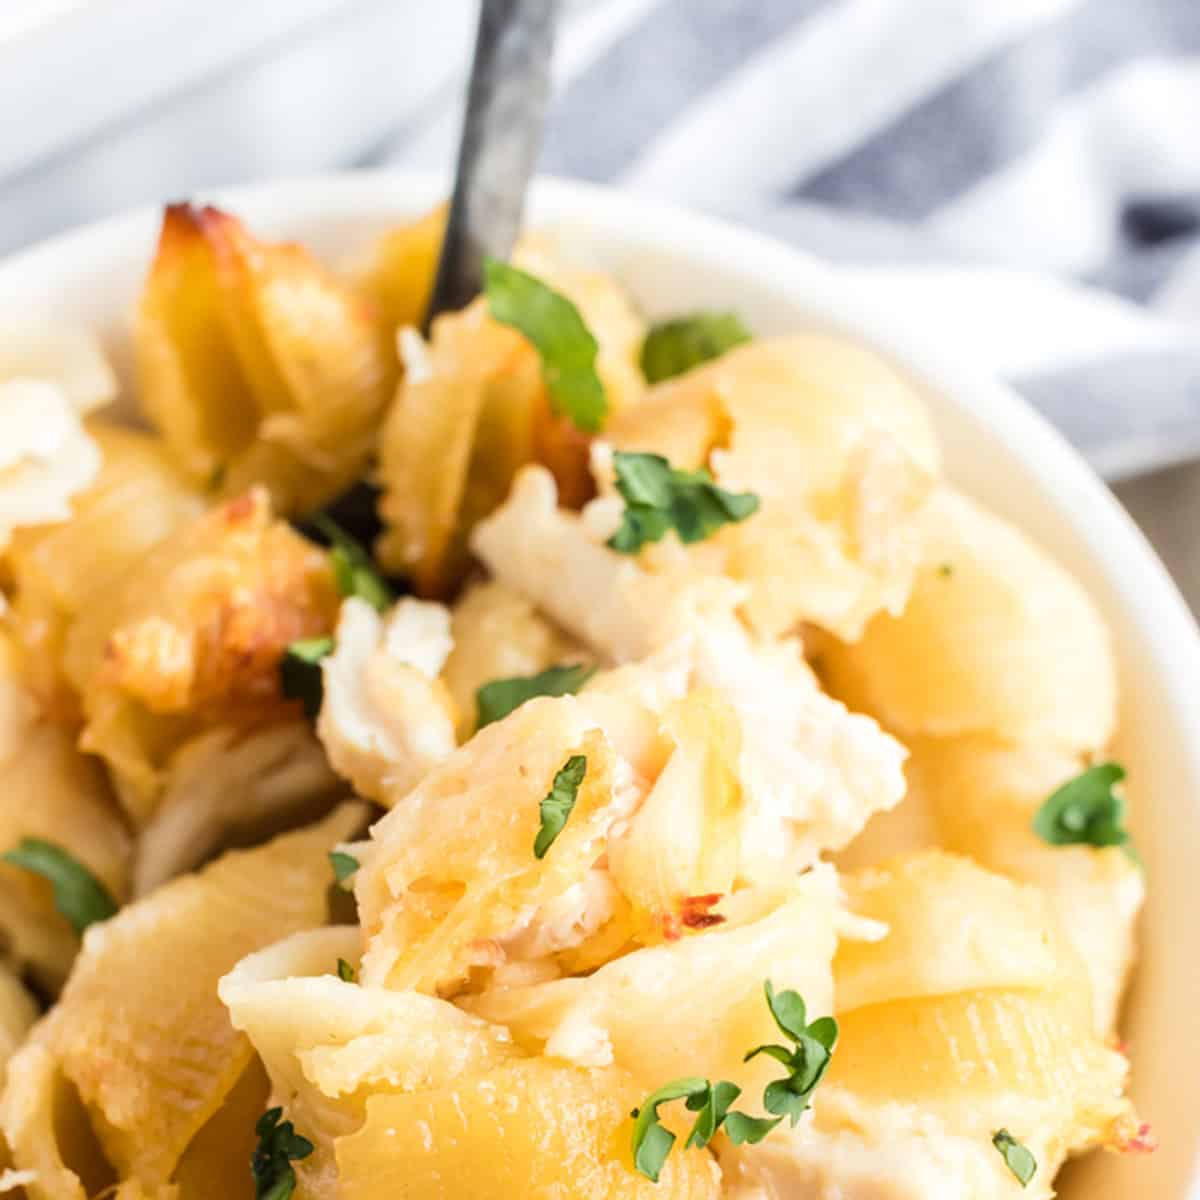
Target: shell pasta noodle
[(657, 781)]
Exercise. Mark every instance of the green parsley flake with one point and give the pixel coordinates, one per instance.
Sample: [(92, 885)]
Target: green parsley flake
[(566, 346), (673, 347), (1018, 1159), (495, 700), (344, 865), (279, 1145), (300, 673), (346, 972), (806, 1062), (353, 568), (652, 1141), (559, 803), (1086, 811), (78, 894), (658, 497)]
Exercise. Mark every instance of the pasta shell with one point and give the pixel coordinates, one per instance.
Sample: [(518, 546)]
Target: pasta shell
[(329, 1045), (996, 639), (191, 638), (399, 273), (55, 793), (530, 1128), (153, 1063), (839, 449), (256, 364), (137, 500), (711, 982), (984, 795), (451, 868)]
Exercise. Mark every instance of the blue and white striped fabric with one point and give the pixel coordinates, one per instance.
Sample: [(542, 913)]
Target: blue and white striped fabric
[(1026, 173)]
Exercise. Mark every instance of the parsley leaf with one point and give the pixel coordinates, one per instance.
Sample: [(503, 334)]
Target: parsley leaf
[(652, 1141), (279, 1145), (344, 865), (346, 972), (1086, 811), (300, 673), (553, 324), (806, 1063), (559, 802), (658, 497), (353, 568), (744, 1130), (495, 700), (78, 894), (672, 347), (1018, 1159)]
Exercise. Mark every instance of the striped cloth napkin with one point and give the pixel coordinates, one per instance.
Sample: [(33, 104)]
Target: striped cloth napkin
[(1024, 173)]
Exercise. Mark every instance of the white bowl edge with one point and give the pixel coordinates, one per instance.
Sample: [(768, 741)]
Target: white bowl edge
[(996, 447)]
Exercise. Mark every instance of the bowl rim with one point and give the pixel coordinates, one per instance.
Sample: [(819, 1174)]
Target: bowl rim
[(1114, 551)]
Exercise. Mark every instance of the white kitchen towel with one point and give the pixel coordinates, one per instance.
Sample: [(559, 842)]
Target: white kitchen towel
[(1024, 173)]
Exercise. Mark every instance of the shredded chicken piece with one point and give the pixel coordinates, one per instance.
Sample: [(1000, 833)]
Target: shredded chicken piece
[(387, 718)]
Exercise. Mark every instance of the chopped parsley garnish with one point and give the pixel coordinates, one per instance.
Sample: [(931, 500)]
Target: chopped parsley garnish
[(1086, 811), (672, 347), (353, 568), (566, 346), (346, 972), (344, 865), (78, 894), (652, 1141), (1017, 1158), (946, 570), (558, 803), (300, 673), (806, 1061), (279, 1145), (495, 700), (788, 1097), (659, 497)]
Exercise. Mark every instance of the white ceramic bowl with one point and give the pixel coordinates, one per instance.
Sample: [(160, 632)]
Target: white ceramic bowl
[(996, 447)]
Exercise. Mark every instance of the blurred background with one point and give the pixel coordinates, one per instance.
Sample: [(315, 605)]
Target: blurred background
[(1022, 175)]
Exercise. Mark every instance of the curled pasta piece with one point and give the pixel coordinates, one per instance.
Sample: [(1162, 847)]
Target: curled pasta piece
[(472, 409), (258, 366), (839, 449), (138, 499), (233, 786), (984, 794), (387, 719), (398, 273), (17, 1014), (530, 1127), (191, 637), (153, 1064), (711, 982), (945, 1040), (451, 868), (329, 1045), (996, 639), (55, 793)]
